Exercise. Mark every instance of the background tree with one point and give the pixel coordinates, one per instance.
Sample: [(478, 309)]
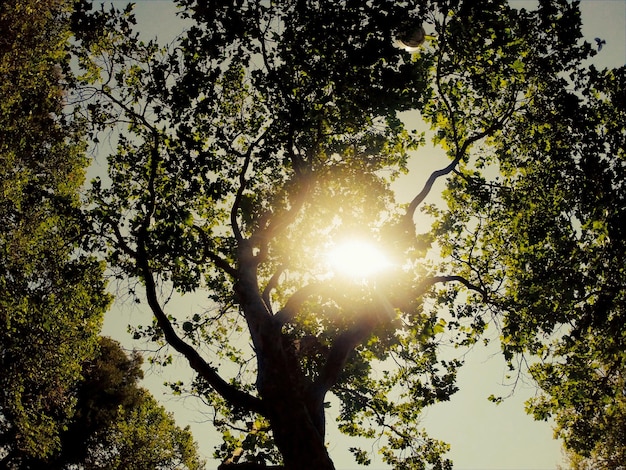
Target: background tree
[(65, 400), (117, 424), (268, 133), (582, 372), (51, 295), (545, 237)]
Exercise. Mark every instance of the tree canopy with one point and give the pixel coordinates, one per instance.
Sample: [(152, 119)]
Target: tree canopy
[(68, 399), (52, 295), (117, 424), (269, 132)]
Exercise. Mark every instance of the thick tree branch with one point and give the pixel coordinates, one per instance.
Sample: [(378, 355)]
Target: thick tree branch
[(257, 314), (340, 351), (417, 200), (293, 304), (302, 171), (460, 149), (227, 391), (230, 393), (347, 341), (350, 339)]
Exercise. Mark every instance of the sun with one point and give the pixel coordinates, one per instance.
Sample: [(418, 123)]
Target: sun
[(357, 259)]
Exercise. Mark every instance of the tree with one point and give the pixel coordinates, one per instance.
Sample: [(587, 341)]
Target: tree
[(583, 380), (269, 132), (117, 424), (52, 295), (59, 386), (546, 239)]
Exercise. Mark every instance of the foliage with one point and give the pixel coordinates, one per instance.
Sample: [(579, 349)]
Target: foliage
[(545, 238), (121, 425), (117, 424), (66, 400), (52, 296), (147, 437), (269, 132)]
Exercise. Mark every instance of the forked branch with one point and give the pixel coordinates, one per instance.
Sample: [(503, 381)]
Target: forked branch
[(346, 342)]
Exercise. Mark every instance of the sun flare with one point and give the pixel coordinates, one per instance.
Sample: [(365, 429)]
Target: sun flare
[(357, 259)]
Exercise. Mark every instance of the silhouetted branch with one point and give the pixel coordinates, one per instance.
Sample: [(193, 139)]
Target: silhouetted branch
[(431, 281), (290, 310), (271, 285), (460, 149), (206, 371), (211, 255)]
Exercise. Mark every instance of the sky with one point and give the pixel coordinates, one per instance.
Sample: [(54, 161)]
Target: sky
[(483, 436)]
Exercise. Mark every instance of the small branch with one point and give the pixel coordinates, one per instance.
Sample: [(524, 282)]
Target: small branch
[(289, 311), (340, 351), (271, 285), (280, 222), (496, 125), (431, 281), (121, 242), (151, 203), (221, 263), (242, 187), (214, 257), (417, 200), (128, 110)]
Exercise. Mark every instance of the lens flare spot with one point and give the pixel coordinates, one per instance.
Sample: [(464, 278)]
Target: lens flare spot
[(357, 259)]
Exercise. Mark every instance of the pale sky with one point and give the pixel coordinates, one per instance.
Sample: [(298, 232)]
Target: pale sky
[(483, 436)]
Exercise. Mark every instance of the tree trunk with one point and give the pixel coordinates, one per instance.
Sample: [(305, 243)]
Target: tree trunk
[(299, 440), (296, 416)]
